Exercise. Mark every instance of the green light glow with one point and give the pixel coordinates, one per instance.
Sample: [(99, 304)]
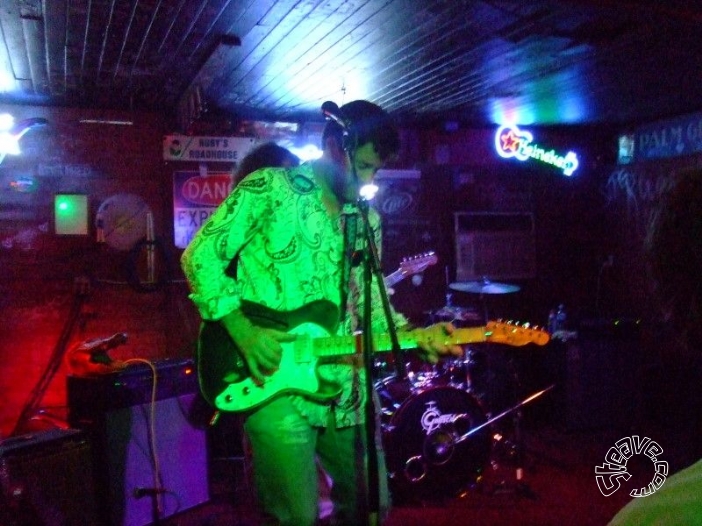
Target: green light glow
[(71, 214)]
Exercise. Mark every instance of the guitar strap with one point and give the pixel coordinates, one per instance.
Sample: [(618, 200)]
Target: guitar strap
[(349, 217)]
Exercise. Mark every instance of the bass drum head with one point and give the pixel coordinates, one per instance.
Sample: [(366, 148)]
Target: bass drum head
[(423, 458)]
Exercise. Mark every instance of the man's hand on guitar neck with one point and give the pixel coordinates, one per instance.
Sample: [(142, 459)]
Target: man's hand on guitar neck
[(259, 346), (433, 341)]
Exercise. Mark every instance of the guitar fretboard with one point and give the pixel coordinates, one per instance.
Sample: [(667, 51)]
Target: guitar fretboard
[(345, 345)]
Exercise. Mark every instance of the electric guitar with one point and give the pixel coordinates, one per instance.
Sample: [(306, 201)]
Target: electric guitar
[(225, 381), (411, 265)]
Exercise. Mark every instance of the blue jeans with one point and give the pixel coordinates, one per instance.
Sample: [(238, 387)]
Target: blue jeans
[(284, 448)]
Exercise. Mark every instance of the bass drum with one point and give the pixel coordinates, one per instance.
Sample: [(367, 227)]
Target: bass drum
[(420, 431)]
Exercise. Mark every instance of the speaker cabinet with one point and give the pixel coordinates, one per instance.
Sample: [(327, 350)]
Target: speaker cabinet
[(150, 456), (603, 371), (46, 479)]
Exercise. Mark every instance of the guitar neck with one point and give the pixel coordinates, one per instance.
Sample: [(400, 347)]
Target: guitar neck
[(347, 345), (395, 277)]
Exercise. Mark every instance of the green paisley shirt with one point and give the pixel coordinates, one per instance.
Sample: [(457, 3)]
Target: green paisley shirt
[(287, 252)]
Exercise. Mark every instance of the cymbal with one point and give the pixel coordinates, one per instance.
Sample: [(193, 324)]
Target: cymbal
[(484, 286)]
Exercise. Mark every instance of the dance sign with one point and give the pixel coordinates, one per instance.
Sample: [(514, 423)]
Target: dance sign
[(510, 141), (195, 197)]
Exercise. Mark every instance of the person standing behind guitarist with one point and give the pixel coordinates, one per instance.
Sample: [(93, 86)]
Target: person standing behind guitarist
[(266, 155), (278, 241)]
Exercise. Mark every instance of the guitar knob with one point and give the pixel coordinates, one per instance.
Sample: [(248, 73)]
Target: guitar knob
[(246, 390)]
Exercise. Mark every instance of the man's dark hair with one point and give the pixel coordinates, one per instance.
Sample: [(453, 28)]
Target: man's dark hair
[(263, 156), (367, 122)]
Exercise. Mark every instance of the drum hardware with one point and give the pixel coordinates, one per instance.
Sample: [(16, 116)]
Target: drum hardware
[(454, 313), (484, 286), (438, 454), (442, 446), (416, 460)]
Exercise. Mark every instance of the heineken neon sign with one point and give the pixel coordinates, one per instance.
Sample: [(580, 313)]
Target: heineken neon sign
[(510, 141)]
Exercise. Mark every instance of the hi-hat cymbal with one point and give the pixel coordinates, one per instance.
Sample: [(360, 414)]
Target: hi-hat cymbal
[(452, 313), (484, 286)]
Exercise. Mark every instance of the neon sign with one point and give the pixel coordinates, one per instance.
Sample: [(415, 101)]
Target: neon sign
[(510, 141)]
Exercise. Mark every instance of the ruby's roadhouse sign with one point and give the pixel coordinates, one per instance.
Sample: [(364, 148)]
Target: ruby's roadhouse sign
[(195, 198)]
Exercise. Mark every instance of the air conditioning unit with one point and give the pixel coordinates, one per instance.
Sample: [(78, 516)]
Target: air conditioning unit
[(494, 245)]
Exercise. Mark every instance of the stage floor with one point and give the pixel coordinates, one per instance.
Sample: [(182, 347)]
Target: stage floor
[(558, 488)]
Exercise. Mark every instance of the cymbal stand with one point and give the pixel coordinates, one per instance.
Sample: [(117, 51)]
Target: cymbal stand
[(518, 487), (443, 448), (483, 302)]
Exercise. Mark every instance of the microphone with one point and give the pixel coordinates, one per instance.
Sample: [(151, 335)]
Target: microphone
[(90, 357), (332, 112), (105, 344)]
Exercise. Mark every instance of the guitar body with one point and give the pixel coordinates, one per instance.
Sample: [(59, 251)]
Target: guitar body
[(224, 377)]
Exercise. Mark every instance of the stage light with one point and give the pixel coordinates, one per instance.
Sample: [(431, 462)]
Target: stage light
[(8, 144), (308, 152), (7, 121), (368, 191), (11, 133)]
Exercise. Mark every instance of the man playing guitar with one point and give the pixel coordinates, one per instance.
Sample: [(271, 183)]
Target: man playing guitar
[(267, 271)]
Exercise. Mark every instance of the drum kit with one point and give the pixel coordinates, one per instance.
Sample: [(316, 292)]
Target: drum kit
[(439, 423)]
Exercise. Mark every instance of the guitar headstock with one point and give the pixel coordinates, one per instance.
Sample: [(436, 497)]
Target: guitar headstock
[(418, 263), (511, 333)]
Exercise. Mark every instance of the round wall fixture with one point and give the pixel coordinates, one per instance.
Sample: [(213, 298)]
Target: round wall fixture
[(122, 221)]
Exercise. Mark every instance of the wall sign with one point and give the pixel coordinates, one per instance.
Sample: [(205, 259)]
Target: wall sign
[(206, 149), (195, 198), (669, 138), (510, 142)]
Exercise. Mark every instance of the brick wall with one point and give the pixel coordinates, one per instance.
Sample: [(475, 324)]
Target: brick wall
[(59, 291)]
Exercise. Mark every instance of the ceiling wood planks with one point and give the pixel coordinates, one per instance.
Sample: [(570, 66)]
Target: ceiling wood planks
[(540, 62)]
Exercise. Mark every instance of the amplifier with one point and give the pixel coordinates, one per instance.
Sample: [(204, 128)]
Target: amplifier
[(92, 395), (46, 478), (603, 375), (149, 454)]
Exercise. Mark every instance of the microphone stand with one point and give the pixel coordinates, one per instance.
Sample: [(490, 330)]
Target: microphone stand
[(371, 266)]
